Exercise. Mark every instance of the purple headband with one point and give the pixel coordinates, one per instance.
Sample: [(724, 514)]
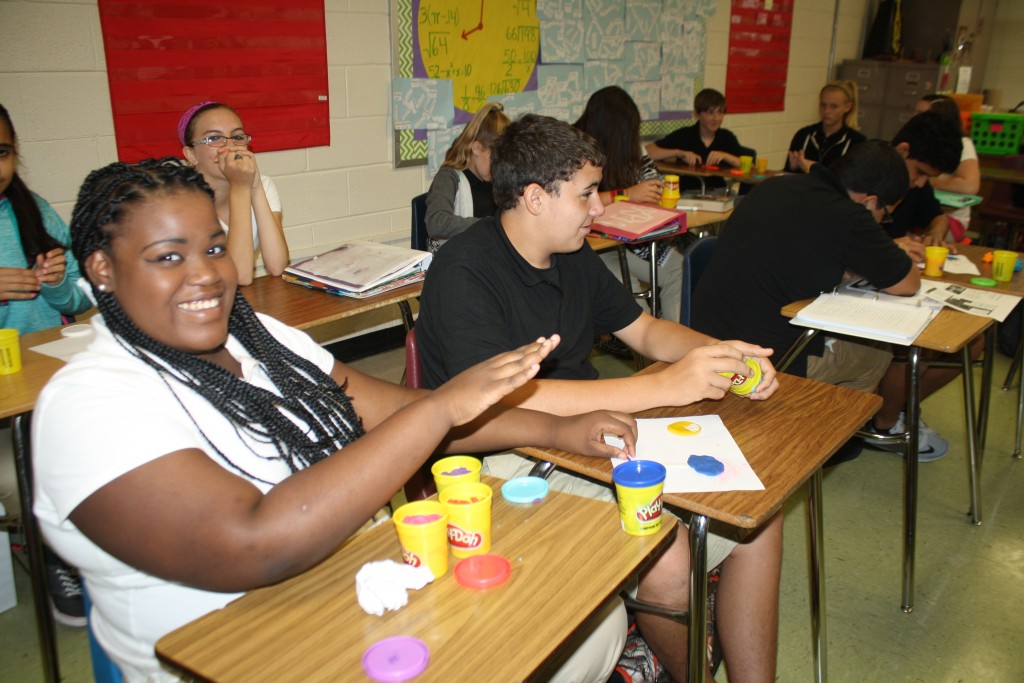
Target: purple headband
[(187, 116)]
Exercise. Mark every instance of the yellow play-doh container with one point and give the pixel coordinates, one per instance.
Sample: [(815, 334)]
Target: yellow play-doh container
[(10, 352), (638, 486), (455, 469), (1003, 263), (741, 384), (422, 528), (469, 518)]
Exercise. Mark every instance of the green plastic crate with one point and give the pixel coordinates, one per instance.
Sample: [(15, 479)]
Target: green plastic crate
[(996, 133)]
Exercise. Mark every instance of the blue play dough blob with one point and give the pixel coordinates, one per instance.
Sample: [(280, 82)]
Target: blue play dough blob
[(706, 464)]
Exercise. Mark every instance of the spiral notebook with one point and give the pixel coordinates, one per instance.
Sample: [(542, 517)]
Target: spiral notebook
[(867, 318)]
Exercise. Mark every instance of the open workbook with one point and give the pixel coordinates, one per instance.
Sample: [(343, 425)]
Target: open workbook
[(867, 318), (358, 267)]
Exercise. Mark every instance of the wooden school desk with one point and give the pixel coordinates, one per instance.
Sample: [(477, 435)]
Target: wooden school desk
[(785, 439), (1015, 287), (949, 332), (297, 306), (694, 219), (568, 555)]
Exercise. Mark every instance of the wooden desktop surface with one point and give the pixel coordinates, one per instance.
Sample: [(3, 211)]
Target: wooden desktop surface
[(568, 556), (785, 439), (999, 174), (976, 253), (305, 309)]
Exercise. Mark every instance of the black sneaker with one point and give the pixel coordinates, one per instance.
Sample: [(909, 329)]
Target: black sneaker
[(65, 588)]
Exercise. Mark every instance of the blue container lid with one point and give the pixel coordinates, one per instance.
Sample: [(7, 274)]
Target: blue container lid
[(525, 490), (639, 473)]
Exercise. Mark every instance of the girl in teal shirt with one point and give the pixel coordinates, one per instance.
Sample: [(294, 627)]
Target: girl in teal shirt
[(37, 277)]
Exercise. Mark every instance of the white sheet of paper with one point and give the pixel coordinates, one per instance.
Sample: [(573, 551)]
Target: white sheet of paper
[(656, 442), (65, 347)]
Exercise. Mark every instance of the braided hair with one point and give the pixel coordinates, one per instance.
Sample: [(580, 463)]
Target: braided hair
[(327, 421)]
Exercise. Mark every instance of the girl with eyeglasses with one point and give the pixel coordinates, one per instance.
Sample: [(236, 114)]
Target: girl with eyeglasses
[(216, 144)]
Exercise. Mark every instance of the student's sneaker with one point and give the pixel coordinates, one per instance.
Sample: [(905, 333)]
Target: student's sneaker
[(930, 446), (65, 588)]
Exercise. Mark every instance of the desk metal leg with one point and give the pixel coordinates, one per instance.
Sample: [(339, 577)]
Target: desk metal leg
[(407, 320), (698, 597), (815, 519), (20, 426), (910, 476), (973, 454), (985, 400), (654, 279), (1020, 389)]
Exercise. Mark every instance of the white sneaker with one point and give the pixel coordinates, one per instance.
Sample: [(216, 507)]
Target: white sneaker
[(930, 446)]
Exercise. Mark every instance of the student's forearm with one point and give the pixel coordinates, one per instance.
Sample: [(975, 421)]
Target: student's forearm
[(574, 396), (659, 153), (273, 246), (240, 244)]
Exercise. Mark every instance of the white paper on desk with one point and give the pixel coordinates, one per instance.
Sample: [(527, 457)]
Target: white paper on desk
[(987, 303), (656, 442), (897, 323), (65, 347), (866, 290), (958, 264)]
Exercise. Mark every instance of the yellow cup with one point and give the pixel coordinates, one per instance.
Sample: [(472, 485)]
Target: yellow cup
[(469, 517), (10, 352), (638, 486), (935, 260), (455, 469), (762, 165), (1003, 263), (741, 384), (745, 164), (422, 529)]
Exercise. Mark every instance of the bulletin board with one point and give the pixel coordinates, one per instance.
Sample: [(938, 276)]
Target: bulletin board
[(265, 58), (541, 56)]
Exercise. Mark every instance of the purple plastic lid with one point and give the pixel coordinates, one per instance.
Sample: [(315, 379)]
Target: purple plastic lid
[(396, 659)]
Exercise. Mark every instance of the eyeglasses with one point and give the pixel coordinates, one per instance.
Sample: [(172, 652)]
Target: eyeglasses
[(886, 216), (241, 140)]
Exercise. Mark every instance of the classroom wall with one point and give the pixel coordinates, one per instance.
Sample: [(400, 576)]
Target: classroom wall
[(52, 79)]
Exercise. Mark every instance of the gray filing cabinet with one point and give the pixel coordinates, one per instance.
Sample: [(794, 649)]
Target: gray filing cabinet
[(888, 92)]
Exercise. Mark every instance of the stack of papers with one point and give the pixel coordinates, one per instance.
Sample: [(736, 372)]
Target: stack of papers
[(706, 202), (360, 269), (632, 222), (866, 318)]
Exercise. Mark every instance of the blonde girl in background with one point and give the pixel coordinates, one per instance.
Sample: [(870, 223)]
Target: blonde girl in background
[(460, 193), (834, 135), (216, 144)]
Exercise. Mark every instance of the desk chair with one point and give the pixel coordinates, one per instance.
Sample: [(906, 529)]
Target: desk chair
[(418, 236), (695, 260), (1000, 207), (20, 430), (420, 484)]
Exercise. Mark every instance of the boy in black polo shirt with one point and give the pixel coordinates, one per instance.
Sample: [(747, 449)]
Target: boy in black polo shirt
[(529, 272)]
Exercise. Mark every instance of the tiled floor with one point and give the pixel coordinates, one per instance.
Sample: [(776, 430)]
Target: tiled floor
[(968, 621)]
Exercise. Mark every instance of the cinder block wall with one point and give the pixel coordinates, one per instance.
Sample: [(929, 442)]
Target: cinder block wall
[(52, 78)]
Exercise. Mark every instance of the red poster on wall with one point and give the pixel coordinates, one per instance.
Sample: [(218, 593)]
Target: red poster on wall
[(265, 58), (759, 34)]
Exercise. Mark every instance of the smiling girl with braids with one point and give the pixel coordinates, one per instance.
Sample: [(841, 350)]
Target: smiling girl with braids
[(197, 449)]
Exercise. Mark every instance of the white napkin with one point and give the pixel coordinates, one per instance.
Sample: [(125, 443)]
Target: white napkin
[(383, 585)]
